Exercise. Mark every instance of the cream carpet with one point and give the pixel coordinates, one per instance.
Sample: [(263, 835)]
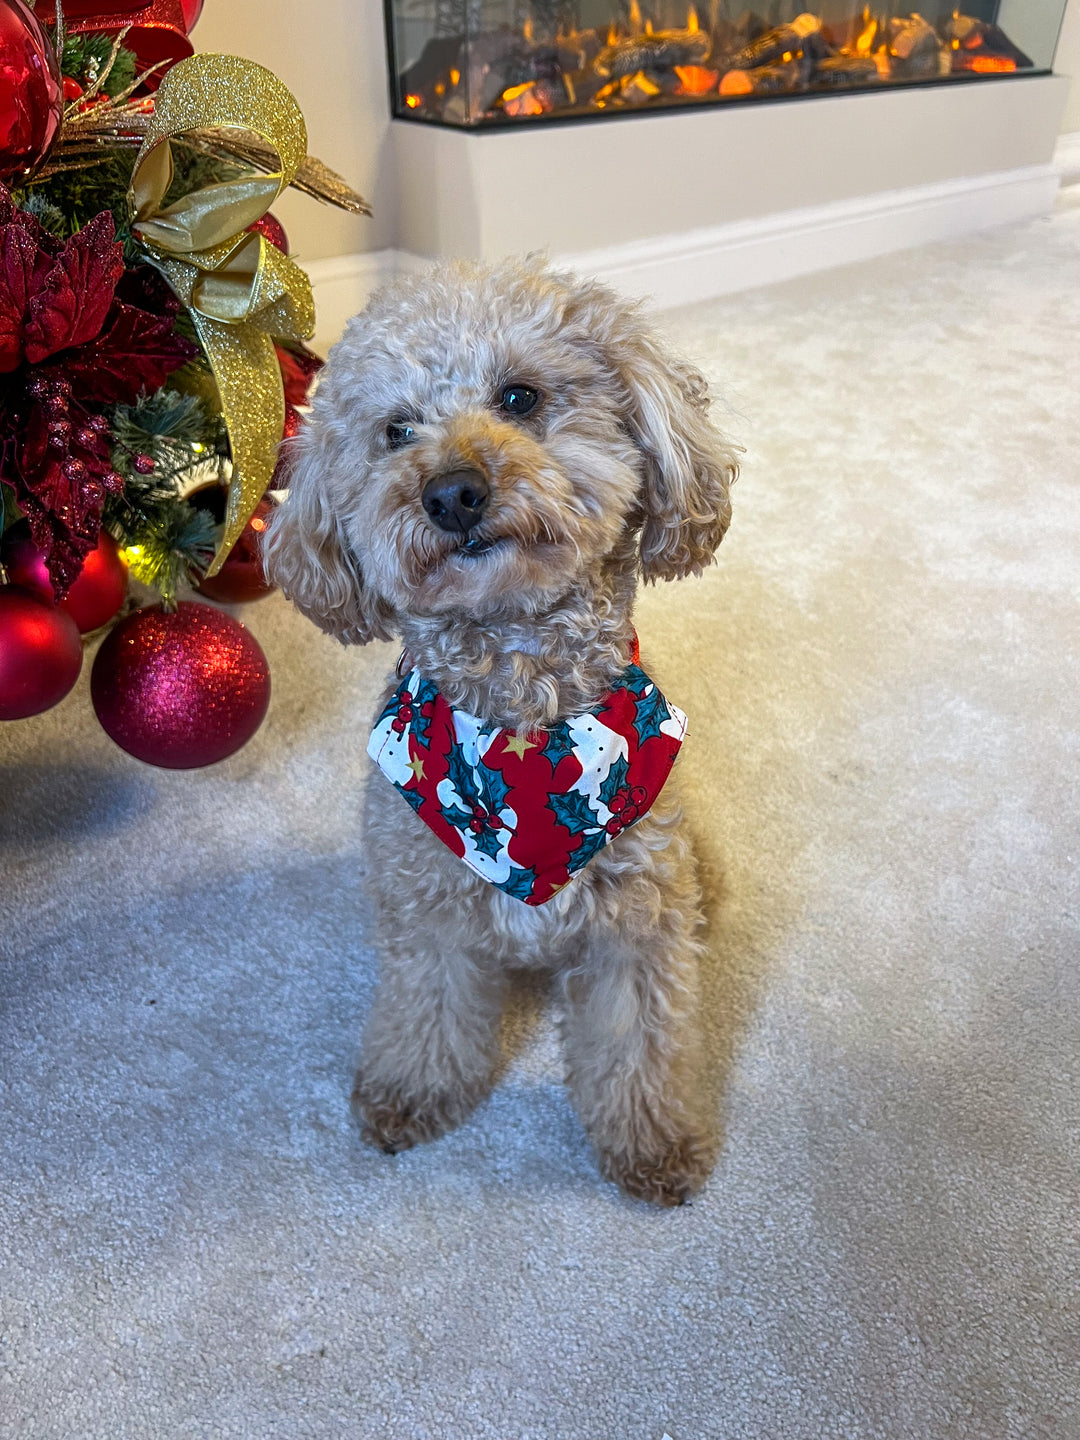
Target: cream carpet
[(883, 683)]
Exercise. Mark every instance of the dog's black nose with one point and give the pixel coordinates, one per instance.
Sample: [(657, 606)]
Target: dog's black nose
[(456, 502)]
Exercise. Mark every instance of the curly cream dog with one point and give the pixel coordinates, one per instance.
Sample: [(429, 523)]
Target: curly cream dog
[(494, 458)]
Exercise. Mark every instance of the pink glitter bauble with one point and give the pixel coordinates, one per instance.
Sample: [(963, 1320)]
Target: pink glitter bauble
[(180, 690)]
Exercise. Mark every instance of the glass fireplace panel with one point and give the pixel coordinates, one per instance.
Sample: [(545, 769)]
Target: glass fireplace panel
[(506, 62)]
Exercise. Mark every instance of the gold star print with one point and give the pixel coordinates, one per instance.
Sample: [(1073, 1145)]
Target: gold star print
[(417, 767), (517, 745)]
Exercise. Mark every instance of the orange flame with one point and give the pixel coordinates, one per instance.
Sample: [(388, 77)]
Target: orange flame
[(736, 82), (696, 79), (635, 18), (992, 64), (527, 28), (413, 101), (523, 100), (692, 21)]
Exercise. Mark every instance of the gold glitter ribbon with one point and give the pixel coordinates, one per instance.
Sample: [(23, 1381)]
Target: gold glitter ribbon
[(243, 293)]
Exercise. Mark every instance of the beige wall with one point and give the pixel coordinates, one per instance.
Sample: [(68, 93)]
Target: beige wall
[(1067, 62), (331, 54)]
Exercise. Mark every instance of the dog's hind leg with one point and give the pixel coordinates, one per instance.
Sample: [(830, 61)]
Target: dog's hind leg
[(431, 1041), (633, 1042)]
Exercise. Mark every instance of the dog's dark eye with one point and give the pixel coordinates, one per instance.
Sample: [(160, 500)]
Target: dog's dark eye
[(518, 399), (399, 433)]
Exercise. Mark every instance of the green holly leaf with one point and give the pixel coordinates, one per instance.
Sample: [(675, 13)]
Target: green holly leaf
[(572, 810), (616, 779), (488, 842), (494, 787), (421, 723), (456, 817), (414, 797), (559, 744), (591, 844), (651, 712), (460, 774), (520, 882)]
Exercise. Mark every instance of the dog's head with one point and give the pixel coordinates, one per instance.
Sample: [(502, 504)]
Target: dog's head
[(480, 439)]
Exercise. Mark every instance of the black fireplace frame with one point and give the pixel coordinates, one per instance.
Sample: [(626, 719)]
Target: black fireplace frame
[(677, 105)]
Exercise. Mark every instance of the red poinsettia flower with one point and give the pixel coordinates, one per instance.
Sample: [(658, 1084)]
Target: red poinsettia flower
[(77, 333)]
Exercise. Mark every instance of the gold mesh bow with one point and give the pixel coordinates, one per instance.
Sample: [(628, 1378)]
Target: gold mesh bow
[(242, 292)]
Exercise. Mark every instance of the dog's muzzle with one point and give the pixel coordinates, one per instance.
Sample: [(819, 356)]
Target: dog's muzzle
[(457, 501)]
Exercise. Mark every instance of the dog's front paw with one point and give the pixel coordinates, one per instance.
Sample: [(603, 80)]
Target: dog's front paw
[(669, 1178), (391, 1122)]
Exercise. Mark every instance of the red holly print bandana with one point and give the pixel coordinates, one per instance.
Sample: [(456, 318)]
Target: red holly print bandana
[(527, 812)]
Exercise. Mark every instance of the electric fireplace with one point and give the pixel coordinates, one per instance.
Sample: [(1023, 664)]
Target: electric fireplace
[(484, 63)]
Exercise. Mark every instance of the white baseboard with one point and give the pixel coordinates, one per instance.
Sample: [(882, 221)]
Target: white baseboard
[(1067, 157), (678, 269)]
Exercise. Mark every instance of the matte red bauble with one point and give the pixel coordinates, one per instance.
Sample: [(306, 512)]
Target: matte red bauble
[(40, 654), (96, 595), (271, 228), (31, 92), (241, 578), (180, 690)]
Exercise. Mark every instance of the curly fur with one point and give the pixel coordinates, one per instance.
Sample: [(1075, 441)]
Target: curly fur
[(616, 475)]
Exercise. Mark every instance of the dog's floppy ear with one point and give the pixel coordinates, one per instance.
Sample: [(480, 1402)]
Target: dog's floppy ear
[(689, 466), (305, 552)]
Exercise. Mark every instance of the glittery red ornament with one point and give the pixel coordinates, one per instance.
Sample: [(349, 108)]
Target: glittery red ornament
[(241, 578), (180, 690), (40, 654), (31, 91), (271, 228), (97, 593)]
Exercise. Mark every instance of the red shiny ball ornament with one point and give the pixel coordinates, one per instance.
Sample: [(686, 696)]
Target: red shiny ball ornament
[(271, 228), (40, 654), (180, 690), (31, 91), (192, 10), (241, 579), (97, 593)]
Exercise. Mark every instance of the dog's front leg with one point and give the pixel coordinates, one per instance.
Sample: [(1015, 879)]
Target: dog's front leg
[(431, 1041), (633, 1048)]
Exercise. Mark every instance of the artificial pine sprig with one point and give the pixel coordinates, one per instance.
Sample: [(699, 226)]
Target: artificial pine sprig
[(172, 548), (86, 56), (159, 441)]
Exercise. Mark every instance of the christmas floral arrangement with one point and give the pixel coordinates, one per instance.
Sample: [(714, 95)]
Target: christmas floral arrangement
[(152, 359)]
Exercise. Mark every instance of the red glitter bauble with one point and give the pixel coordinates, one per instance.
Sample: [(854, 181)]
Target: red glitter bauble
[(180, 690), (271, 228), (97, 593), (241, 578), (31, 92), (40, 654)]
